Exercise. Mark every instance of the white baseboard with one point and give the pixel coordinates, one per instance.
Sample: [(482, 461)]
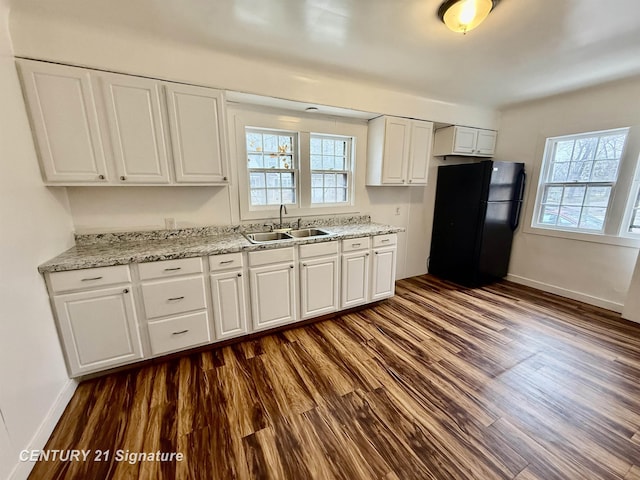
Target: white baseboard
[(565, 292), (22, 469)]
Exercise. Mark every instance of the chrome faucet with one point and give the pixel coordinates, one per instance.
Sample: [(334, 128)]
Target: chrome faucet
[(282, 206)]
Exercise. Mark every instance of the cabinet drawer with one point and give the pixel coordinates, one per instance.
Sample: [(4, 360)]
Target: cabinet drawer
[(317, 249), (170, 268), (168, 297), (178, 333), (265, 257), (385, 240), (225, 261), (89, 278), (352, 244)]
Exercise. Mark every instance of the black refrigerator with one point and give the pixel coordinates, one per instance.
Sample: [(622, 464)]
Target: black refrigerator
[(477, 209)]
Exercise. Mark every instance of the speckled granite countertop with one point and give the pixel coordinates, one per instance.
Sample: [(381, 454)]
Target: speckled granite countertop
[(103, 250)]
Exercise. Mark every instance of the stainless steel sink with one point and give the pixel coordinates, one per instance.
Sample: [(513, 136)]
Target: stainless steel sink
[(260, 237), (308, 232)]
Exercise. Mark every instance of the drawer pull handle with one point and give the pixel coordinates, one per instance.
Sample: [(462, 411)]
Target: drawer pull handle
[(385, 240), (180, 332), (91, 279), (366, 254), (239, 274), (126, 290), (226, 262), (175, 299), (172, 269), (355, 244)]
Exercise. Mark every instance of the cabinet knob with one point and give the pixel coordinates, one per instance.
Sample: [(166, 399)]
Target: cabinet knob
[(126, 290), (290, 266), (101, 177), (224, 178), (239, 274), (304, 264), (403, 180), (366, 254), (410, 181), (123, 178)]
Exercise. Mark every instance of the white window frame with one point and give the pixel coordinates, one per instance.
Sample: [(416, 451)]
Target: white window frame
[(250, 116), (347, 171), (544, 182)]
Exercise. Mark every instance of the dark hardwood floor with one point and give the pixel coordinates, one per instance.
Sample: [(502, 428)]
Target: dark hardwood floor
[(440, 382)]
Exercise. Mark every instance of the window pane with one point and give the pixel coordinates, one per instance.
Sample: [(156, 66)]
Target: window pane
[(327, 147), (553, 195), (585, 149), (579, 171), (341, 148), (573, 195), (286, 162), (341, 195), (316, 146), (316, 180), (611, 146), (274, 197), (258, 197), (342, 180), (257, 180), (254, 142), (316, 162), (316, 195), (560, 172), (340, 163), (549, 215), (273, 180), (270, 143), (272, 161), (288, 196), (329, 195), (597, 196), (255, 161), (286, 179), (285, 144), (635, 222), (569, 216), (328, 163), (606, 171), (564, 150), (329, 180), (593, 218)]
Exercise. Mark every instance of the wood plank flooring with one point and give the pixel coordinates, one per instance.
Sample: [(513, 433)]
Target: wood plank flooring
[(440, 382)]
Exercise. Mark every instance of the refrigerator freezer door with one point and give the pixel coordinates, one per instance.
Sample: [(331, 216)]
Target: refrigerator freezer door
[(506, 177)]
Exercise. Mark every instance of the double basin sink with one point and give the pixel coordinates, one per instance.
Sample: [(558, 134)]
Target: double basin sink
[(263, 237)]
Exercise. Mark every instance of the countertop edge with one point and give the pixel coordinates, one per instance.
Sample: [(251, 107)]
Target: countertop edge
[(90, 261)]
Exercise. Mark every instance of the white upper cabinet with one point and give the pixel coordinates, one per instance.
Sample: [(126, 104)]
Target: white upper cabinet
[(398, 151), (64, 119), (197, 127), (466, 141), (99, 128), (133, 111)]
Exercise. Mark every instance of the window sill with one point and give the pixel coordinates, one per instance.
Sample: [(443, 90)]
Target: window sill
[(584, 237)]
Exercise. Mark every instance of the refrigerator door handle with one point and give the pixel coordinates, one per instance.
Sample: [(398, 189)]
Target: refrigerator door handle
[(515, 222)]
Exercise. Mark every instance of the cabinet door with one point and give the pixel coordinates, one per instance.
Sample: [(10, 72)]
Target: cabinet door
[(319, 286), (198, 135), (99, 329), (229, 304), (396, 150), (65, 122), (355, 278), (383, 275), (132, 106), (464, 140), (486, 144), (420, 152), (272, 295)]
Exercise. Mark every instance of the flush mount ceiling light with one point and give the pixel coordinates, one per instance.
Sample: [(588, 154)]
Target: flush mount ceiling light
[(462, 16)]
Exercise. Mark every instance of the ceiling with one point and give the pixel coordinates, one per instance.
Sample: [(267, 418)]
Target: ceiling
[(526, 49)]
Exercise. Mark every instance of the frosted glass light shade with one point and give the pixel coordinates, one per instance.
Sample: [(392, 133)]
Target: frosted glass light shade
[(464, 15)]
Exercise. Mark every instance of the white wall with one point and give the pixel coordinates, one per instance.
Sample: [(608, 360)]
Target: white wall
[(36, 225), (593, 272)]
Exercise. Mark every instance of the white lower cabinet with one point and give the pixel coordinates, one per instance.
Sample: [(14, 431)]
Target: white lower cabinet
[(229, 301), (99, 328), (272, 281), (179, 332), (355, 272), (319, 280), (383, 278)]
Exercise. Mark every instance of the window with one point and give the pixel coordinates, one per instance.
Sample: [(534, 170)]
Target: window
[(634, 223), (272, 166), (330, 168), (577, 181)]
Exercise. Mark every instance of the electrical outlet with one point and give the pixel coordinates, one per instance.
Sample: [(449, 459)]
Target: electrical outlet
[(170, 223), (397, 210)]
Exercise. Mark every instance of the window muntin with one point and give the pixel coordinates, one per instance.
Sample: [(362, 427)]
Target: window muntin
[(579, 176), (272, 167), (330, 164), (634, 222)]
